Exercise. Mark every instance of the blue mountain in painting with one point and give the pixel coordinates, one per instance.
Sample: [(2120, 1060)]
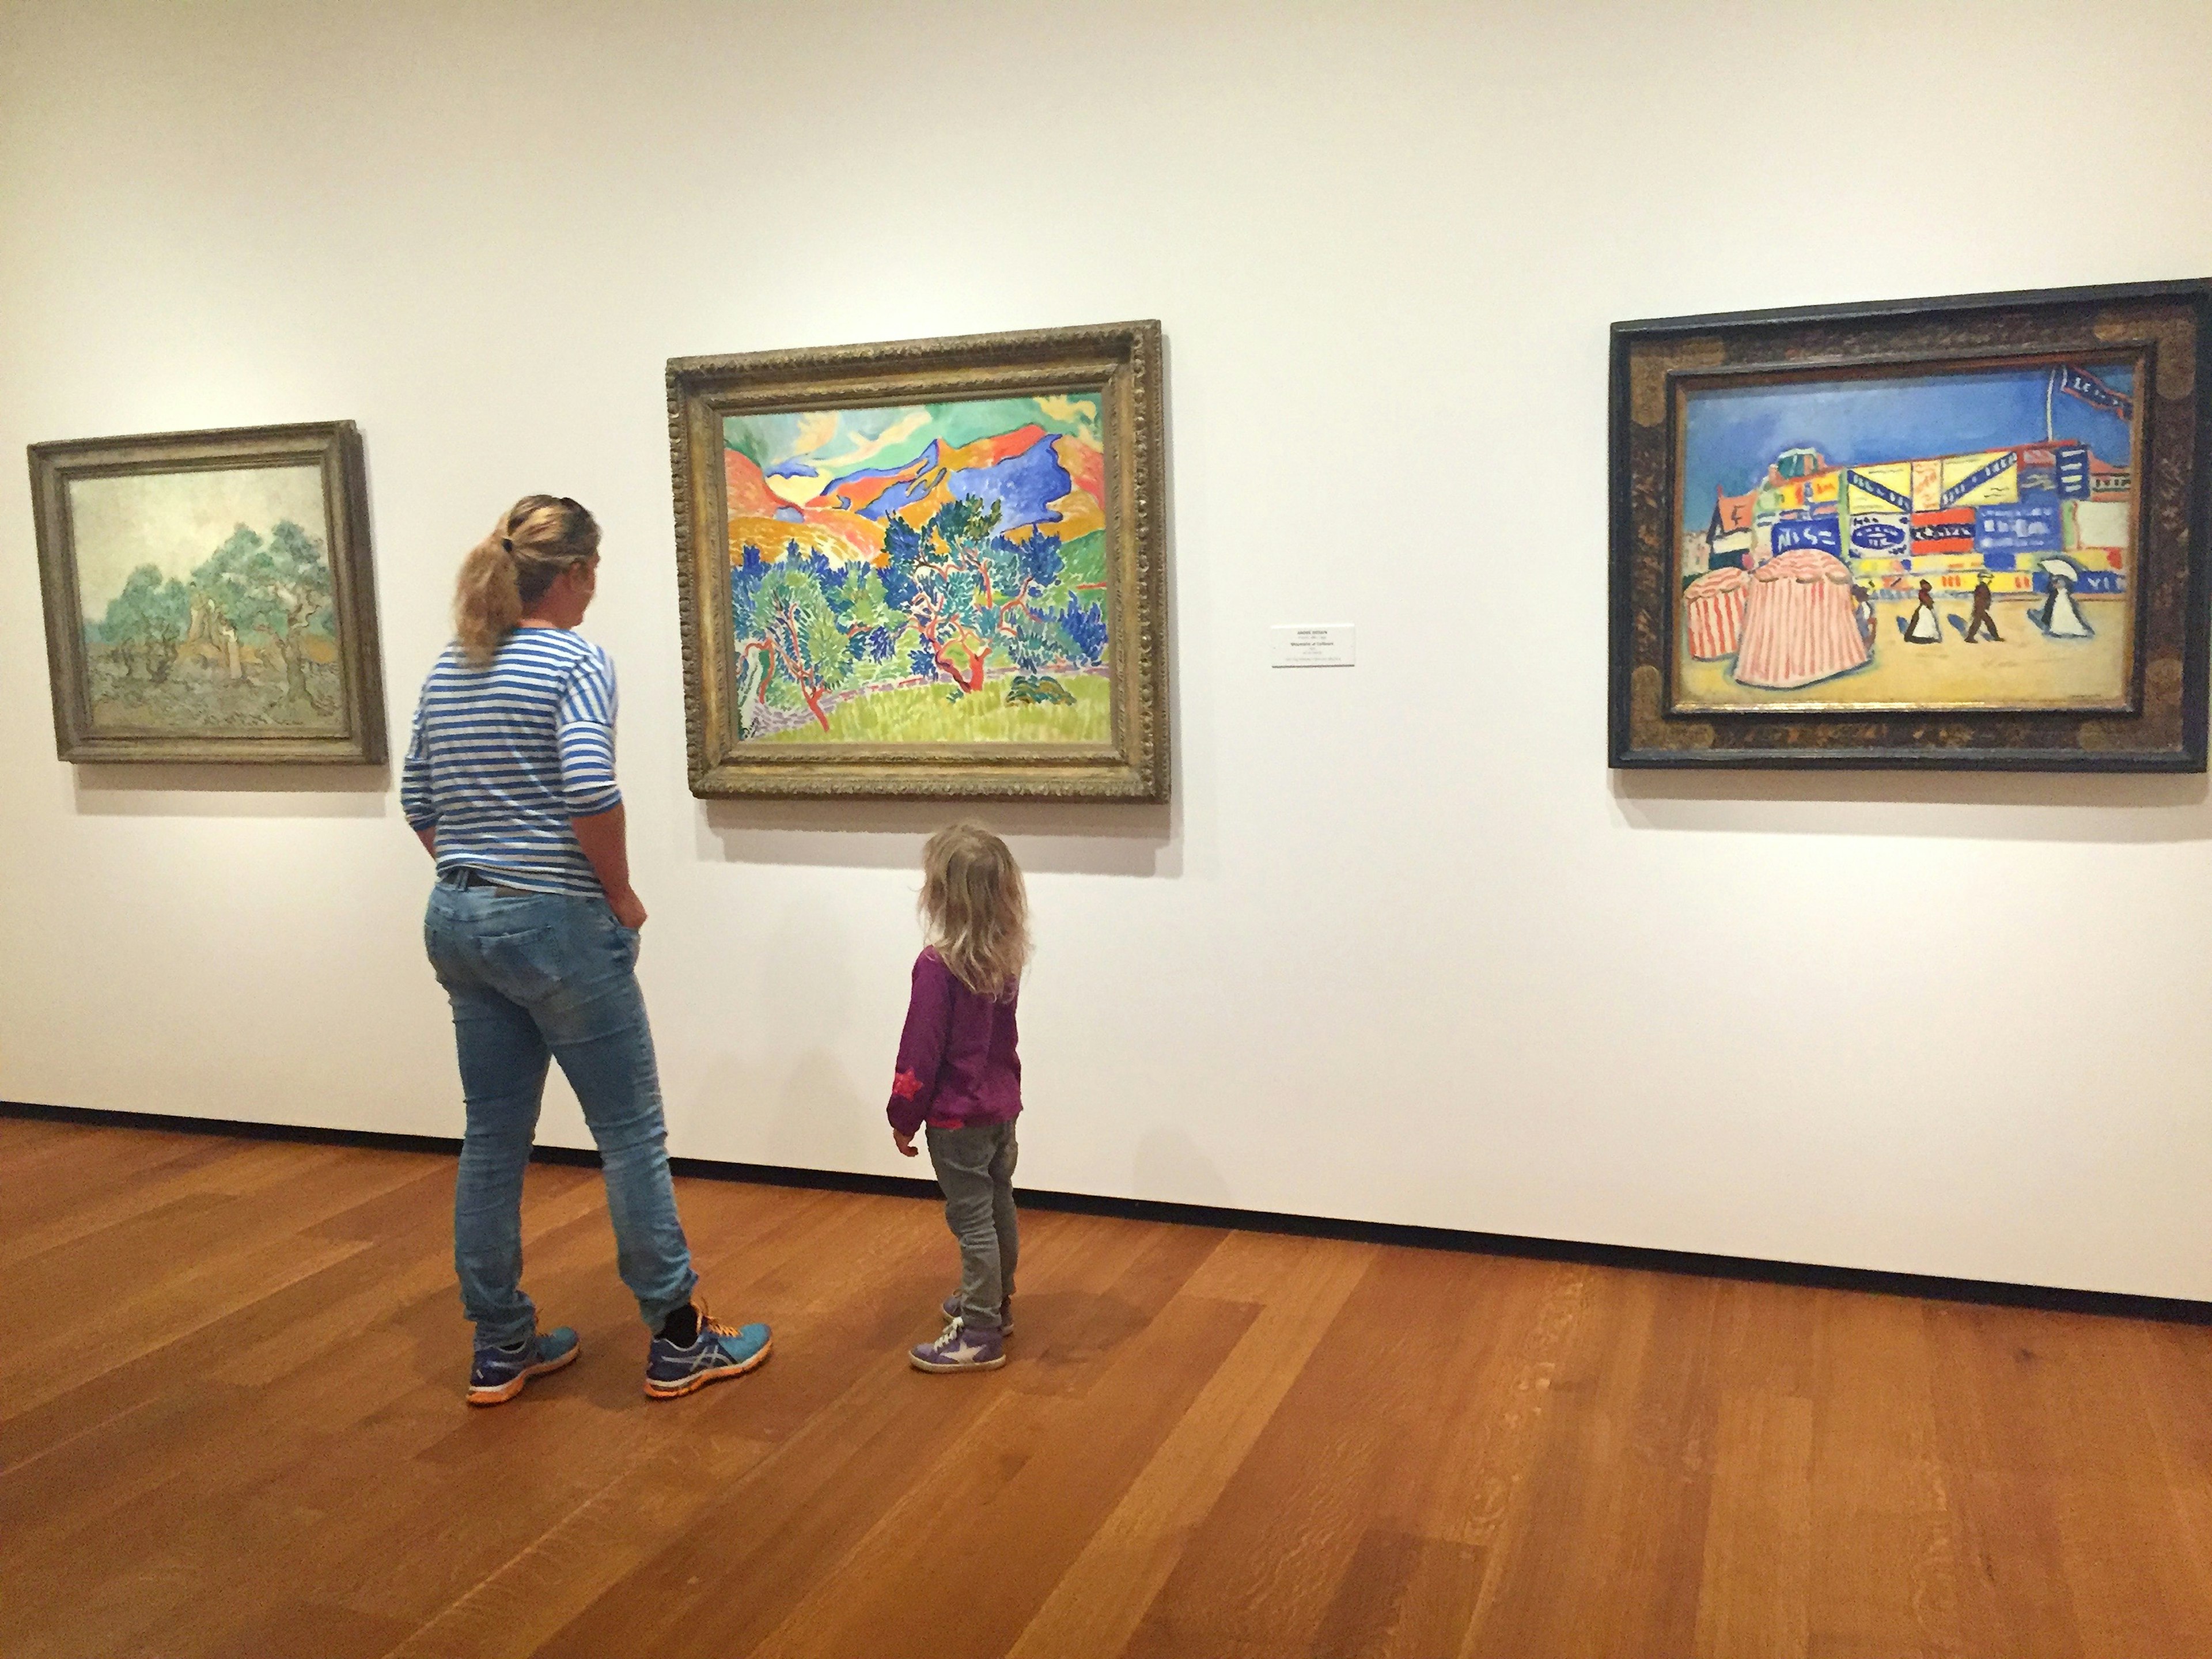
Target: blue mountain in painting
[(1020, 470), (1025, 485)]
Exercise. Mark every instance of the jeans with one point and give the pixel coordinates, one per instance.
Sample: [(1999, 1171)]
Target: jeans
[(975, 1169), (532, 976)]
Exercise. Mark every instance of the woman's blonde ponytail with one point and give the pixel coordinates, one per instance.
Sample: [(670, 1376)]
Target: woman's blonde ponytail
[(539, 536), (488, 601)]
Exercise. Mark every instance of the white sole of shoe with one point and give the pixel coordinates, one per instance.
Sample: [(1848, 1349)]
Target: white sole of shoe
[(921, 1365)]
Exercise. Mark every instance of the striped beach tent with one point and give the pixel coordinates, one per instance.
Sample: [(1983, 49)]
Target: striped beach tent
[(1712, 611), (1800, 625)]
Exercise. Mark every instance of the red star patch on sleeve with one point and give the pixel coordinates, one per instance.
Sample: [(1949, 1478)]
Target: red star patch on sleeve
[(905, 1085)]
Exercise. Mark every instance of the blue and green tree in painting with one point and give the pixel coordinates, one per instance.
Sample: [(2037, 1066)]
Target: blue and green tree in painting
[(146, 621), (973, 593), (278, 590), (262, 596), (951, 597)]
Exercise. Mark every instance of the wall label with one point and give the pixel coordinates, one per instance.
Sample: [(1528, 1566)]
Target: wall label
[(1313, 645)]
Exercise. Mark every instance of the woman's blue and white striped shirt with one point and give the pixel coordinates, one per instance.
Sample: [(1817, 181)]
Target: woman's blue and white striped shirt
[(505, 752)]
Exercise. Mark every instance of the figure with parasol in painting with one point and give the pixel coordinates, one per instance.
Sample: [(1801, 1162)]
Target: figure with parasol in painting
[(2060, 618)]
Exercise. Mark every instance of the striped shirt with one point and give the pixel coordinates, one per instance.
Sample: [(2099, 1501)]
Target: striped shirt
[(505, 752)]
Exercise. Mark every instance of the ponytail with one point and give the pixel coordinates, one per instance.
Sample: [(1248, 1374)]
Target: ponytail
[(510, 569), (488, 601)]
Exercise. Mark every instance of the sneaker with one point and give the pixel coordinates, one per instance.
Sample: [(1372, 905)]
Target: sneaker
[(719, 1351), (499, 1373), (960, 1349), (950, 1308)]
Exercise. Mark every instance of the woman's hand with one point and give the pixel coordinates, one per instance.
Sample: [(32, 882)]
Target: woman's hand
[(628, 909)]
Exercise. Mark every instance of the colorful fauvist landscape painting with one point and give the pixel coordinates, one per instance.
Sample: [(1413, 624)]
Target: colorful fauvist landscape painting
[(1961, 538), (934, 574), (206, 598)]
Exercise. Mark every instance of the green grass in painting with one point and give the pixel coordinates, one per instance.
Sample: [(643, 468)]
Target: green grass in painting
[(1085, 560), (926, 713)]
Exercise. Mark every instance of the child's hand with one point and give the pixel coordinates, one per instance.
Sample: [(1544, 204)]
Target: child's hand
[(905, 1144)]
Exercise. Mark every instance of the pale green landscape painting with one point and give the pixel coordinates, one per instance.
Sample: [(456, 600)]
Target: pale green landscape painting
[(207, 601)]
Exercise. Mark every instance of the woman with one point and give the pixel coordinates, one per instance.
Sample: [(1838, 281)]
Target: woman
[(2060, 617), (533, 931), (1925, 627)]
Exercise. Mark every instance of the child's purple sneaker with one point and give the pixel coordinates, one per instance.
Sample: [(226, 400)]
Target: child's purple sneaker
[(960, 1349), (952, 1310), (498, 1374)]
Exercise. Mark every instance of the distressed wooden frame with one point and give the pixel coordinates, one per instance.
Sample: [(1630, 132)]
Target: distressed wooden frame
[(333, 446), (1122, 363), (2162, 729)]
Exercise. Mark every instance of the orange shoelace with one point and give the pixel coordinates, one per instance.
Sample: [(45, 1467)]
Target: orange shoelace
[(708, 1323)]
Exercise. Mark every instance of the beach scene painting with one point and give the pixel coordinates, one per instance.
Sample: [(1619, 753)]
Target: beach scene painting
[(929, 573), (1957, 537), (206, 602)]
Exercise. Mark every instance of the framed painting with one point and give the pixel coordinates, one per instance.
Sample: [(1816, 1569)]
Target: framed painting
[(932, 568), (1963, 533), (208, 596)]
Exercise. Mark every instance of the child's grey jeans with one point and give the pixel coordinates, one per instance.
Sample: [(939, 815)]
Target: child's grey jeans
[(976, 1171)]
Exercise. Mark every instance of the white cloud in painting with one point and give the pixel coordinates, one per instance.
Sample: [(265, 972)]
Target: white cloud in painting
[(1070, 409), (867, 448), (1081, 413), (816, 428), (174, 520)]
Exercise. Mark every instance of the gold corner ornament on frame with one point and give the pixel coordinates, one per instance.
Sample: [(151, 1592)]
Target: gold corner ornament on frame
[(209, 597), (928, 568)]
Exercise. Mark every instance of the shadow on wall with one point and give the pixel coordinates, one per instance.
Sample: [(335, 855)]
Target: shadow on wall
[(178, 791), (1171, 1169), (2087, 807), (1062, 838), (791, 991), (819, 1117)]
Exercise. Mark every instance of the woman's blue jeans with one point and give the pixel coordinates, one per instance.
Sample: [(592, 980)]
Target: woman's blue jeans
[(533, 977)]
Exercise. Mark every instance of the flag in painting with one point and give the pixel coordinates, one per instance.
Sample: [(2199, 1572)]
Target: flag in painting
[(2080, 383)]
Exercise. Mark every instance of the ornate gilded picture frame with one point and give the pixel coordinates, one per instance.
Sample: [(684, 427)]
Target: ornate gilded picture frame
[(1953, 534), (209, 597), (927, 568)]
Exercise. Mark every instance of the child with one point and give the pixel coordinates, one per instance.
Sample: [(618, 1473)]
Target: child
[(959, 1073)]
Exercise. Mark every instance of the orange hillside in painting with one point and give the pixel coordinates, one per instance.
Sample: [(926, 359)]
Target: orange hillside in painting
[(763, 518), (1083, 509)]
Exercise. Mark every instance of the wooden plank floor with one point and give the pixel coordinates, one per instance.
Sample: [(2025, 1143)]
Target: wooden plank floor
[(231, 1424)]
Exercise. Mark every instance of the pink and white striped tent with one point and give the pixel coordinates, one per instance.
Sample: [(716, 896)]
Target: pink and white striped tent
[(1800, 625), (1712, 612)]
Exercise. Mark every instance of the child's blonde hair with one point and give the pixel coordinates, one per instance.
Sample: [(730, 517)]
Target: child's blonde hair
[(975, 909), (535, 540)]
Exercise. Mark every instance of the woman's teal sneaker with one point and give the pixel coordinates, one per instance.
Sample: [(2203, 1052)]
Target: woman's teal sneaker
[(499, 1373), (717, 1351)]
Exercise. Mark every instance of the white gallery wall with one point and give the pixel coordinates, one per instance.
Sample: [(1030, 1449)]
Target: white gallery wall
[(1402, 948)]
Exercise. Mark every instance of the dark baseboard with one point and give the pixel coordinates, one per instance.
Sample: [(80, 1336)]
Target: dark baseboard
[(2110, 1304)]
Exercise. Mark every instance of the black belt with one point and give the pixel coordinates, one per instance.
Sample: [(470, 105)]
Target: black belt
[(465, 876)]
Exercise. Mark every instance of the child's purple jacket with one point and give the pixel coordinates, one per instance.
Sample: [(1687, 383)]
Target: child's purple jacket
[(957, 1059)]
